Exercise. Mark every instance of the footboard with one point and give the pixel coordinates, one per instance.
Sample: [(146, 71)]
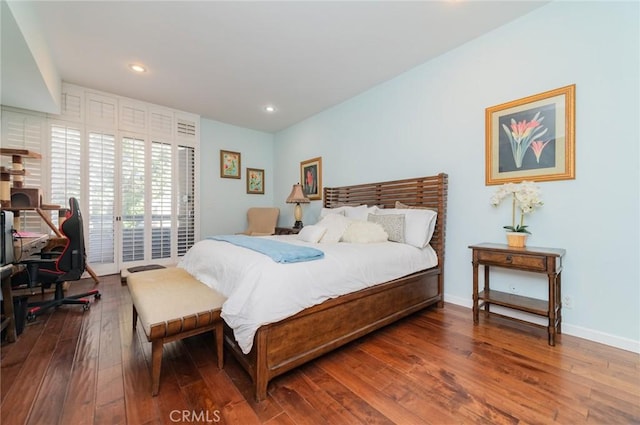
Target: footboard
[(282, 346)]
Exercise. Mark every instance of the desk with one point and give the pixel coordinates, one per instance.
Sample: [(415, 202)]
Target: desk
[(9, 320), (539, 260), (24, 247)]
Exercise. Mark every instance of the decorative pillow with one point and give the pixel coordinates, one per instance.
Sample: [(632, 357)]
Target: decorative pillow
[(412, 207), (393, 225), (326, 211), (419, 224), (336, 225), (364, 232), (312, 233)]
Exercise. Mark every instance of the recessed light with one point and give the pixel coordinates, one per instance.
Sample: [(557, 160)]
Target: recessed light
[(137, 68), (270, 109)]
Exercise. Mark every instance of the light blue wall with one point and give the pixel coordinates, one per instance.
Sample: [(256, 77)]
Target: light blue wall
[(431, 119), (224, 202)]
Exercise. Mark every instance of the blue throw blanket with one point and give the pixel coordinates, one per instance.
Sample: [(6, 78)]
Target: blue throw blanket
[(280, 252)]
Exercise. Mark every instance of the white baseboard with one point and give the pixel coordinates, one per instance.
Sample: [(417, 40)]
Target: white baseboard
[(567, 328)]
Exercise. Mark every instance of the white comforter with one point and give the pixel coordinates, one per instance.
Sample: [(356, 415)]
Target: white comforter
[(261, 291)]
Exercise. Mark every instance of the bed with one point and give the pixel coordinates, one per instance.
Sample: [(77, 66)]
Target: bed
[(279, 346)]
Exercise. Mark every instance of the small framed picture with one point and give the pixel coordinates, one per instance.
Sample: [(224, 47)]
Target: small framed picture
[(311, 178), (230, 164), (255, 181), (531, 138)]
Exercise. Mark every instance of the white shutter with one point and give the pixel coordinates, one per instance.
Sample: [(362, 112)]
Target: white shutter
[(66, 161), (133, 198), (161, 200), (72, 103), (101, 217), (186, 199), (161, 123), (187, 129), (25, 131), (133, 116), (101, 110)]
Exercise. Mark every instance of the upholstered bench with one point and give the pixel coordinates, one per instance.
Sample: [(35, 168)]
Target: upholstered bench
[(172, 305)]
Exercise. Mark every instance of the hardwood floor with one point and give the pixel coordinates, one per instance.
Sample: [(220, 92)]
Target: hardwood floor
[(435, 367)]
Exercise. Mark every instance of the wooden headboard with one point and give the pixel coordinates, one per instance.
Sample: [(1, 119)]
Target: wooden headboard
[(430, 192)]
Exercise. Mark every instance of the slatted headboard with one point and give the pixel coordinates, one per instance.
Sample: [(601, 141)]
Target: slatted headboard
[(430, 192)]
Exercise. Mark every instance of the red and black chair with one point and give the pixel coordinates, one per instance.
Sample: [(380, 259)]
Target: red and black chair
[(68, 265)]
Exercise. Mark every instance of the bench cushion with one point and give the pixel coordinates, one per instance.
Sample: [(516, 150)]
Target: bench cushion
[(170, 301)]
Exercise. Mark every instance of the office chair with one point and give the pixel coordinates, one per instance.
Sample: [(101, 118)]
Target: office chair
[(68, 265)]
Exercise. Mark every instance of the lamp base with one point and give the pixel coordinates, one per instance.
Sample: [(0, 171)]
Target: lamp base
[(297, 224)]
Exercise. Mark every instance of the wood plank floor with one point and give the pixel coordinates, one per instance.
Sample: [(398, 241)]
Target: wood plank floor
[(435, 367)]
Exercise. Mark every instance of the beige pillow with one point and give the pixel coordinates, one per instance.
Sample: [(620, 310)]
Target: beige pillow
[(412, 207)]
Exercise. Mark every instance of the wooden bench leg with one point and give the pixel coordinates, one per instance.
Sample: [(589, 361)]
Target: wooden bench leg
[(219, 343), (156, 365), (135, 317)]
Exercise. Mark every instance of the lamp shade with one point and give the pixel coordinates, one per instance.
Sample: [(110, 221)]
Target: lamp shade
[(297, 195)]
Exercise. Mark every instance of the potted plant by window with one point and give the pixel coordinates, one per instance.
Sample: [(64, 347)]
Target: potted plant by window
[(525, 197)]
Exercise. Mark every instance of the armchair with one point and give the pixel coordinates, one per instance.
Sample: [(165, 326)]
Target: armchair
[(68, 265), (262, 221)]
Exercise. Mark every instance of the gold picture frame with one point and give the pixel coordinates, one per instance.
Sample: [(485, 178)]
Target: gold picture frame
[(230, 164), (311, 178), (532, 138), (255, 181)]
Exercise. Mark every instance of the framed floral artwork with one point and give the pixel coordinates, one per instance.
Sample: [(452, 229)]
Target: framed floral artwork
[(532, 138), (311, 178), (230, 164), (255, 181)]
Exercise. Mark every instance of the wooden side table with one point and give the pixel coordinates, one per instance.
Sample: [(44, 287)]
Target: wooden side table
[(539, 260), (287, 230)]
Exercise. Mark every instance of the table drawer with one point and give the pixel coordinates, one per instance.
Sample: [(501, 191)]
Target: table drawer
[(531, 262)]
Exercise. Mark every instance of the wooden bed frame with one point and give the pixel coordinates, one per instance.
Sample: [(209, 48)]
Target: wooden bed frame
[(281, 346)]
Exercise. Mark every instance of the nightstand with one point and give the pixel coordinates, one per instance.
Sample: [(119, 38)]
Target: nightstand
[(287, 230), (538, 260)]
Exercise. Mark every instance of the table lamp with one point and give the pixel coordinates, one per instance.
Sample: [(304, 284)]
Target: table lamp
[(297, 197)]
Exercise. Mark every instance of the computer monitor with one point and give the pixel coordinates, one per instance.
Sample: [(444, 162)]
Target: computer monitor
[(6, 237)]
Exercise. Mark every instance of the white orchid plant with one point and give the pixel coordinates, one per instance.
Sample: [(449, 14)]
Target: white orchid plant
[(525, 197)]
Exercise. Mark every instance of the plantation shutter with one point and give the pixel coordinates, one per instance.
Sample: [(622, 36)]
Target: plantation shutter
[(161, 189), (65, 156), (24, 131), (133, 198), (102, 196), (186, 199)]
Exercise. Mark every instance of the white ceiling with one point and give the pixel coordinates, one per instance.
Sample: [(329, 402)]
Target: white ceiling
[(226, 60)]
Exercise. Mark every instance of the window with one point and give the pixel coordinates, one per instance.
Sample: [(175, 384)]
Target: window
[(130, 164)]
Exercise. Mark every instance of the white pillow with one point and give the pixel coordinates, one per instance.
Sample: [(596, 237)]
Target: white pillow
[(418, 224), (364, 232), (312, 233), (335, 224), (360, 212), (326, 211), (393, 224)]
